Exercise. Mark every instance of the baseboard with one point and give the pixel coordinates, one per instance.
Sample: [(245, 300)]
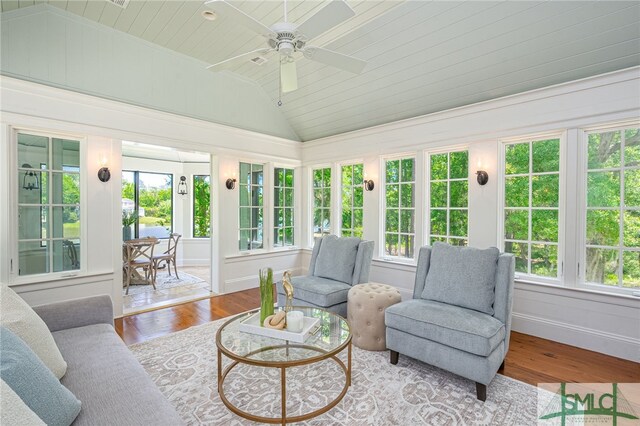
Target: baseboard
[(194, 262), (582, 337)]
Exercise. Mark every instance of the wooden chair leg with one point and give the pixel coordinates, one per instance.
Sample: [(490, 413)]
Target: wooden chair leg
[(168, 266), (501, 369), (128, 280), (481, 391), (175, 268), (151, 276), (393, 357)]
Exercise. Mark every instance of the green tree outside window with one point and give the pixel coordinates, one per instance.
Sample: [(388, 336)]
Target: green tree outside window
[(283, 211), (612, 250), (352, 200), (201, 206), (448, 201), (321, 202), (399, 215)]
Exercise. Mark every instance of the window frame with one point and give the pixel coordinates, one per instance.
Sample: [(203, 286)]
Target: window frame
[(193, 205), (14, 277), (136, 201), (340, 224), (311, 204), (448, 180), (417, 215), (273, 208), (559, 280), (582, 171), (266, 205)]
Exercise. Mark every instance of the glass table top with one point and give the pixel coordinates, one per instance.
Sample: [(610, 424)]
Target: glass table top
[(332, 335)]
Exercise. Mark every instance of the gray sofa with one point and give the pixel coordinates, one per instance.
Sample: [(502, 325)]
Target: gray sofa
[(101, 372), (469, 341), (336, 264)]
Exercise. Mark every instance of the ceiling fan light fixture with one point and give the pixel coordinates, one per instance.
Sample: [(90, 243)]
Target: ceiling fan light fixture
[(209, 15), (288, 76)]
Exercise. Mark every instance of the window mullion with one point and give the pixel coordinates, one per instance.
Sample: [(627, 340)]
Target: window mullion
[(621, 213)]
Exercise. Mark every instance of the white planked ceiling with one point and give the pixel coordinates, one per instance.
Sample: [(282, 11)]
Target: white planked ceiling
[(423, 56)]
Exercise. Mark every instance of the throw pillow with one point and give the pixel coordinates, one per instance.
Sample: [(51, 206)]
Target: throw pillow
[(462, 276), (34, 383), (337, 258), (17, 316), (13, 410)]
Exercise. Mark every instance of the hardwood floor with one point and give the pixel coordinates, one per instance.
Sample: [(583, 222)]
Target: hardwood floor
[(531, 359)]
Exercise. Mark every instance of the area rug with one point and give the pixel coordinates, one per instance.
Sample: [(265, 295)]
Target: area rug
[(184, 367), (164, 281)]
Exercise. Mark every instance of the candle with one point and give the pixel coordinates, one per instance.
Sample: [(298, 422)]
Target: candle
[(295, 321)]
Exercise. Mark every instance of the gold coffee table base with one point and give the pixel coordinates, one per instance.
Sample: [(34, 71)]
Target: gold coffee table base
[(222, 374)]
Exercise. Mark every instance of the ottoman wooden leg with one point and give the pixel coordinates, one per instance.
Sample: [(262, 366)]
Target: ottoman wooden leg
[(481, 391), (393, 357)]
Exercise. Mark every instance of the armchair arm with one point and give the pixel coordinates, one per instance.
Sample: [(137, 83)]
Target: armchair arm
[(505, 275), (77, 313)]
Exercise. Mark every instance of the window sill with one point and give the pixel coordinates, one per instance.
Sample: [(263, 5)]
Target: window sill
[(56, 278), (583, 293), (261, 254), (396, 263)]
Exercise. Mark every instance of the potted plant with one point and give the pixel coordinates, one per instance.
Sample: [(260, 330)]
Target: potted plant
[(128, 219)]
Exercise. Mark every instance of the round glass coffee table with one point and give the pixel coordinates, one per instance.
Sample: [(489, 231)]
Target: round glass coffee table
[(328, 339)]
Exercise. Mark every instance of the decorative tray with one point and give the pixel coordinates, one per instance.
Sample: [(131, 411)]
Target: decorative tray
[(252, 325)]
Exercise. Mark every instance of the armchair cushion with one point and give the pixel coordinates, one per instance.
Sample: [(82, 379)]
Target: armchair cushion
[(318, 291), (337, 258), (462, 276), (465, 329)]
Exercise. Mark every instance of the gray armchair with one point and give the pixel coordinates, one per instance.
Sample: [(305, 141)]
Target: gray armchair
[(459, 318), (336, 264)]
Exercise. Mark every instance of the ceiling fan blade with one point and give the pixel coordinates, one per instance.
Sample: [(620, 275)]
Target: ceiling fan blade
[(236, 60), (288, 76), (224, 9), (335, 59), (328, 17)]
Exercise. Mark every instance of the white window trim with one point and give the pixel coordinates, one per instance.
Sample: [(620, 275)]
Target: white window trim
[(310, 204), (339, 167), (426, 234), (562, 213), (296, 171), (581, 171), (14, 267), (418, 216), (267, 171)]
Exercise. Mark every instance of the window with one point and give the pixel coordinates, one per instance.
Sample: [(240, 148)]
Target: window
[(352, 200), (449, 197), (531, 206), (612, 249), (321, 202), (49, 213), (283, 207), (399, 226), (147, 204), (251, 206), (201, 203)]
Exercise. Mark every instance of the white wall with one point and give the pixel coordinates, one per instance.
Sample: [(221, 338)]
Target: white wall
[(105, 124), (601, 322), (49, 45)]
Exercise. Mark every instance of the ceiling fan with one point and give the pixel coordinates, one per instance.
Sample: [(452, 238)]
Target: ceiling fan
[(290, 40)]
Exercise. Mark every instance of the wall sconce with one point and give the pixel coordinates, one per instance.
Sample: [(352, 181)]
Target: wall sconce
[(30, 179), (368, 184), (104, 174), (182, 186), (483, 177), (230, 183)]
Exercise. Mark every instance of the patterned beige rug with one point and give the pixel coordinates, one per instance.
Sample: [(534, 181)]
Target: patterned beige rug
[(164, 281), (184, 366)]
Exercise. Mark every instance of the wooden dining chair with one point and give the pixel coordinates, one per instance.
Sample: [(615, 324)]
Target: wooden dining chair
[(138, 254), (169, 257)]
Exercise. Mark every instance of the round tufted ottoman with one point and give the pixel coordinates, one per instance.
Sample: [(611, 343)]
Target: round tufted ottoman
[(365, 313)]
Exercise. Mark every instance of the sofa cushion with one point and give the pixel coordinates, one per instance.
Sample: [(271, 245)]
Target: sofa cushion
[(337, 258), (34, 383), (19, 317), (462, 276), (113, 386), (318, 291), (465, 329), (13, 410)]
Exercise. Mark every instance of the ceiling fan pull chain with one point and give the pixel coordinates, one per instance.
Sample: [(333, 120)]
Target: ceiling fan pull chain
[(280, 83)]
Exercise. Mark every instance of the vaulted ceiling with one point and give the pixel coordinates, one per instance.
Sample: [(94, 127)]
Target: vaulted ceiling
[(423, 56)]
